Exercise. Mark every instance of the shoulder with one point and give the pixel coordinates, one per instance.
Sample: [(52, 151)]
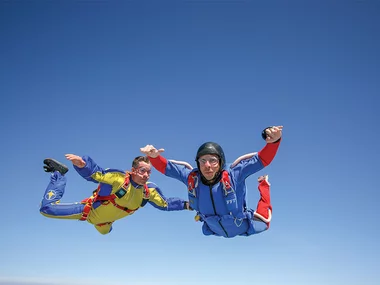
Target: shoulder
[(183, 163), (154, 189), (151, 185), (112, 176), (114, 170), (241, 159)]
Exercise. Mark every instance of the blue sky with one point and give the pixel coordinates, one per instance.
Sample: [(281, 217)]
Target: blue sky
[(104, 78)]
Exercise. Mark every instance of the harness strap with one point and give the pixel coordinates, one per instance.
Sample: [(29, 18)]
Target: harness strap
[(104, 224), (88, 201), (192, 184), (111, 198), (146, 196), (146, 192), (86, 211), (226, 183), (229, 194)]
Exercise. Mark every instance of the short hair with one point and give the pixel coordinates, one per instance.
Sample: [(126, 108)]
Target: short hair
[(138, 159)]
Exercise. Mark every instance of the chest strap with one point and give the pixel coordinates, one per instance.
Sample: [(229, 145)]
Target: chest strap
[(229, 193), (111, 198)]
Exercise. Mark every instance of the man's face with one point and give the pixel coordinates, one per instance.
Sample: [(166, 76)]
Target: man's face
[(141, 173), (209, 165)]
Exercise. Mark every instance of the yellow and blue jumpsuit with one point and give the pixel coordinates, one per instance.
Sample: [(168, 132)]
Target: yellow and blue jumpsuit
[(111, 183)]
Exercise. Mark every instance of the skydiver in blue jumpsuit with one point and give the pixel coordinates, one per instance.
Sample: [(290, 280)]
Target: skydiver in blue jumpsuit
[(217, 191)]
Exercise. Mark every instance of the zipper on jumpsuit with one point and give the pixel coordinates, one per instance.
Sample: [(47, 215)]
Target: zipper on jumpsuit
[(213, 205)]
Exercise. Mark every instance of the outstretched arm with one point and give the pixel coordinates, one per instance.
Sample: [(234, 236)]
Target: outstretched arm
[(250, 163), (273, 137), (175, 169), (159, 201), (85, 166)]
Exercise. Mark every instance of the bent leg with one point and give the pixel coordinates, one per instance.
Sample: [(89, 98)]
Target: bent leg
[(263, 211), (70, 211), (55, 189), (104, 228), (50, 206), (259, 226)]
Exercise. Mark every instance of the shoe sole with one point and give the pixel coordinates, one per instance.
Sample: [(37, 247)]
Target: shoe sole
[(55, 165)]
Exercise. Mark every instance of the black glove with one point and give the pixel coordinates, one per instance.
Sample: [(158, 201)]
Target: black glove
[(264, 134)]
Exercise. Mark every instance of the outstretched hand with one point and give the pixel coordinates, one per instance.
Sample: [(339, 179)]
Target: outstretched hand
[(76, 160), (151, 151), (187, 206), (273, 134)]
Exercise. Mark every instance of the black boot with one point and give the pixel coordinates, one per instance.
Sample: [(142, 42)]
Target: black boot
[(52, 165)]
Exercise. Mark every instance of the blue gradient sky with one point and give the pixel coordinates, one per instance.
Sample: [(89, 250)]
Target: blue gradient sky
[(104, 78)]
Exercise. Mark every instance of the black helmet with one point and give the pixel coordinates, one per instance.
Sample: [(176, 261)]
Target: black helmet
[(211, 148)]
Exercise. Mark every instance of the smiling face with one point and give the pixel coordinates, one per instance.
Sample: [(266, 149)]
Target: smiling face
[(141, 170), (209, 166)]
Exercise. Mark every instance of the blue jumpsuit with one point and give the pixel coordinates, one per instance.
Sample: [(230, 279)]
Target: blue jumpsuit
[(212, 207), (212, 204)]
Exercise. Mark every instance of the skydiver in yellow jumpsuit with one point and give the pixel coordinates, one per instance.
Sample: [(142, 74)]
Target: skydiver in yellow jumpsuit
[(119, 193)]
